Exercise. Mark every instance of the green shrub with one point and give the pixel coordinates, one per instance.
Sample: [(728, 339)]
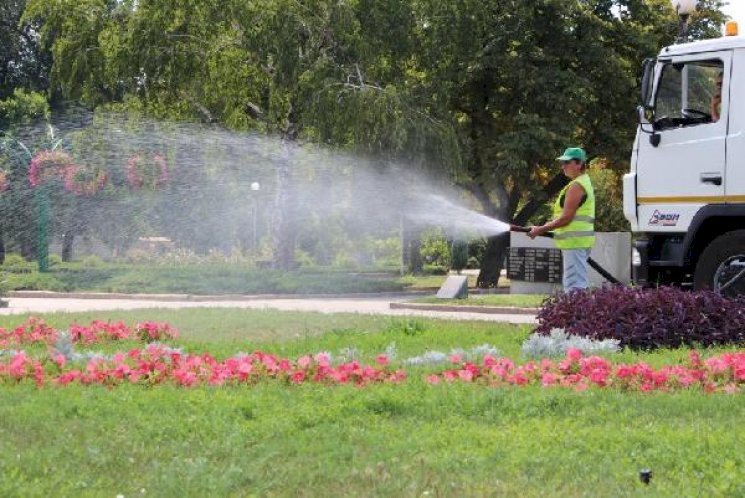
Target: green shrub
[(304, 259), (35, 281), (434, 270), (17, 264), (609, 194), (459, 255), (435, 248), (92, 261)]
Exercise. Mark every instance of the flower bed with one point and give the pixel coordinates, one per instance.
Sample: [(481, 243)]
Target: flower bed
[(724, 373), (158, 363), (36, 331)]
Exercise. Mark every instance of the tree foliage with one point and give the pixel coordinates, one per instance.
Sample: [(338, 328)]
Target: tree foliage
[(486, 92)]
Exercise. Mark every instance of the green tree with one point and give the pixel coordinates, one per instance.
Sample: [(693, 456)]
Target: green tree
[(488, 92), (23, 63)]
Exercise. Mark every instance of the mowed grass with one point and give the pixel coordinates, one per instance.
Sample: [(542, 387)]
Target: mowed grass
[(204, 279), (507, 300), (393, 440)]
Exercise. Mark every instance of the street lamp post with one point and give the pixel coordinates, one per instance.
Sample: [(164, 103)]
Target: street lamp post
[(41, 199), (255, 188), (684, 8)]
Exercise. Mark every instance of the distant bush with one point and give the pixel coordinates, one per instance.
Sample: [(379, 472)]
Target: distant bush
[(459, 255), (92, 261), (646, 318), (609, 215), (16, 264), (34, 281), (55, 260), (434, 270), (435, 247)]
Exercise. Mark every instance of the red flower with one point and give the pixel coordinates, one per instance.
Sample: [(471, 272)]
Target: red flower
[(48, 164), (381, 360), (84, 181), (147, 172)]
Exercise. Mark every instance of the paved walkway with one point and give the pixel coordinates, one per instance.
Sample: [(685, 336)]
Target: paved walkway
[(377, 305)]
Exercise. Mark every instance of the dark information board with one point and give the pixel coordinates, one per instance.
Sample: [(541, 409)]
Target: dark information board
[(534, 264)]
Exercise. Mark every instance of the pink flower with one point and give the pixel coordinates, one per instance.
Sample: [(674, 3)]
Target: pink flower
[(465, 375), (449, 375), (304, 361), (381, 360), (60, 360), (323, 359), (574, 354), (549, 379), (489, 361), (433, 379), (694, 359)]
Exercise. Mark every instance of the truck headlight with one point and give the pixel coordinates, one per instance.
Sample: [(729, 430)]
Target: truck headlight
[(636, 258)]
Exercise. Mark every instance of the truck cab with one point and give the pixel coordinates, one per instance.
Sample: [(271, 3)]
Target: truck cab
[(685, 193)]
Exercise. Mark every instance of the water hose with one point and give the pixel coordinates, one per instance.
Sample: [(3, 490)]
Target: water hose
[(593, 264)]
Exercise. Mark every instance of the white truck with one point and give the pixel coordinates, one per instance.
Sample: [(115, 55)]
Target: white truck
[(685, 193)]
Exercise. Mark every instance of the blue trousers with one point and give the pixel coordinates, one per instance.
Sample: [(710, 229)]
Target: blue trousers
[(575, 269)]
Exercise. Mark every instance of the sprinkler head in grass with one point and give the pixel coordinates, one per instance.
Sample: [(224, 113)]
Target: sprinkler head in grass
[(645, 475)]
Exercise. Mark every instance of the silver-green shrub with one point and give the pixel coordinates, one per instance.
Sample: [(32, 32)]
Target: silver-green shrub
[(558, 342)]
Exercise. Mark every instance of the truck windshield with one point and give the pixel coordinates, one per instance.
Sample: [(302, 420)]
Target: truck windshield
[(687, 94)]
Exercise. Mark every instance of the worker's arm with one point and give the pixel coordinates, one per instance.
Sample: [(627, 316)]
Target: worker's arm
[(716, 103), (571, 203)]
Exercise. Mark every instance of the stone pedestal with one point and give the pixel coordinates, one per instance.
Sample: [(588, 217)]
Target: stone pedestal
[(612, 251), (455, 287)]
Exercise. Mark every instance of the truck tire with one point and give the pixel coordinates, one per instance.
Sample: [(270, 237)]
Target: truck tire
[(721, 266)]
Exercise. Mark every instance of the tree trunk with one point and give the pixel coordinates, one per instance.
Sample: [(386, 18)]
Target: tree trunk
[(411, 247), (28, 248), (491, 265), (67, 240), (416, 263), (498, 246), (2, 250)]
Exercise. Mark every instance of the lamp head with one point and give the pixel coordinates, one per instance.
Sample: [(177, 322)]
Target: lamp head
[(684, 7)]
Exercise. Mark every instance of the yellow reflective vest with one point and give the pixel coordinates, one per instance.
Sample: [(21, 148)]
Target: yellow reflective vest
[(580, 232)]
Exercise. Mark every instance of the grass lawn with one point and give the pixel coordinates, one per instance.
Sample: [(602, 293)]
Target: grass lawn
[(202, 279), (211, 278), (513, 300), (411, 439)]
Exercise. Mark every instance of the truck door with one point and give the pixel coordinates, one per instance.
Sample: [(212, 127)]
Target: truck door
[(683, 167), (735, 190)]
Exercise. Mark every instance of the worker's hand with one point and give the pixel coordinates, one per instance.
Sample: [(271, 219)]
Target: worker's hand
[(536, 232), (716, 103)]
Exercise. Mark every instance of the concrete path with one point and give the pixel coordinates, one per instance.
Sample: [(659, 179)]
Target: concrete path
[(377, 305)]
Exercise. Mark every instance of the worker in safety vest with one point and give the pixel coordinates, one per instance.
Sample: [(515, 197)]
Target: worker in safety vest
[(574, 220)]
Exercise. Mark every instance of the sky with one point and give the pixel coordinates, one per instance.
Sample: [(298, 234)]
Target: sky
[(736, 9)]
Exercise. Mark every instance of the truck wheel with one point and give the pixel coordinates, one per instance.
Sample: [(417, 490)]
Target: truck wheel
[(721, 267)]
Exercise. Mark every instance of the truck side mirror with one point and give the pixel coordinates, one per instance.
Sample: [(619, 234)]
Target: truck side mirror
[(647, 80), (643, 115)]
